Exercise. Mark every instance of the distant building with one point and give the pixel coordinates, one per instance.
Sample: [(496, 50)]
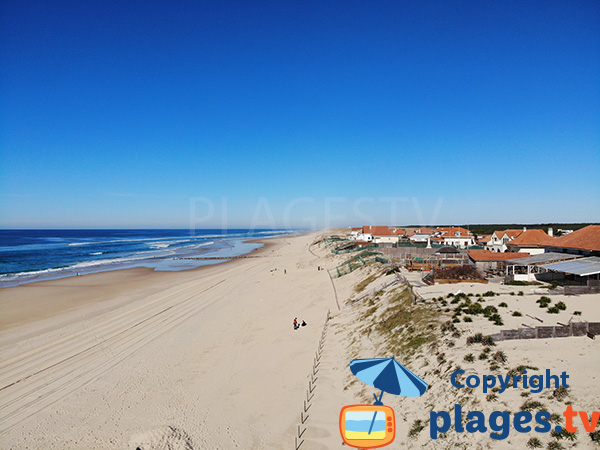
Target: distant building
[(383, 234), (456, 236), (354, 232), (364, 237), (529, 241), (561, 232), (499, 239), (486, 260), (585, 242), (422, 230), (533, 268), (420, 235), (483, 240)]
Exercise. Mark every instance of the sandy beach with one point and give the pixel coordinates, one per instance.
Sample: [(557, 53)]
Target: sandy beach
[(208, 358), (110, 360)]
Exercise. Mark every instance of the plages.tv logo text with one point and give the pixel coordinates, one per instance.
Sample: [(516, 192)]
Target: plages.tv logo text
[(499, 422)]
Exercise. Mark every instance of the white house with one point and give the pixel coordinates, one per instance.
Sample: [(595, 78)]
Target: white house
[(419, 235), (419, 238), (383, 234), (364, 237), (354, 233), (456, 236), (459, 241), (499, 239)]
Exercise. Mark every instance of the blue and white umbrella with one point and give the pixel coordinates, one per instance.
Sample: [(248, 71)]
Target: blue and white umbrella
[(388, 375)]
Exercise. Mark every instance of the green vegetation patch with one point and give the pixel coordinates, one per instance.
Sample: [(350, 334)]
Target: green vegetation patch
[(479, 338), (419, 323), (564, 434), (364, 283), (544, 301), (500, 357), (560, 393), (533, 405), (522, 283), (534, 443), (519, 369), (466, 272), (417, 426)]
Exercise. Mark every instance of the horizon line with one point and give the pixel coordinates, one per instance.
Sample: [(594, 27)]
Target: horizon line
[(288, 228)]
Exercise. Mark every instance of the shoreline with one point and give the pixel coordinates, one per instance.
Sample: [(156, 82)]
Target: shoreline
[(70, 272), (23, 302), (103, 360)]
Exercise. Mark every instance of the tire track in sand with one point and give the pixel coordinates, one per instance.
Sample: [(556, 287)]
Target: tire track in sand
[(41, 377)]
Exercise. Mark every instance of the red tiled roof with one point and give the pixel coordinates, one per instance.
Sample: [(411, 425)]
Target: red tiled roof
[(382, 230), (587, 238), (451, 231), (423, 230), (485, 238), (530, 238), (486, 255), (420, 230), (511, 233)]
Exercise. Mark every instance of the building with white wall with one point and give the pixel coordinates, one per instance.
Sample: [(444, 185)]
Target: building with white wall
[(499, 239)]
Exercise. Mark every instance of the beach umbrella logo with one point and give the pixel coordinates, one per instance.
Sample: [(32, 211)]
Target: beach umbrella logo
[(373, 426)]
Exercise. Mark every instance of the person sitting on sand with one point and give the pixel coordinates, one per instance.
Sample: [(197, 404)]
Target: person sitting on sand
[(303, 323)]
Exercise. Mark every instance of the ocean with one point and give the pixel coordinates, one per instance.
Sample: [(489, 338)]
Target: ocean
[(35, 255)]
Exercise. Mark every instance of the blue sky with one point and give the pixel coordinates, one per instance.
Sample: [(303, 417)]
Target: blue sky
[(277, 113)]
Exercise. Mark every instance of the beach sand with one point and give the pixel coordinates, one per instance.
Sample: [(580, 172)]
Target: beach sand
[(208, 358), (125, 359)]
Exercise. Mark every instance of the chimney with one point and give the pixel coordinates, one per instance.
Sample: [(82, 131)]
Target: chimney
[(550, 232)]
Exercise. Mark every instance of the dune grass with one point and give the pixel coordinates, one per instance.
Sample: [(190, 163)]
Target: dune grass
[(364, 283), (404, 326)]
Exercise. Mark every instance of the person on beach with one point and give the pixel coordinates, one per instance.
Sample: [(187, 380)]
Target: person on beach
[(295, 323), (303, 323)]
